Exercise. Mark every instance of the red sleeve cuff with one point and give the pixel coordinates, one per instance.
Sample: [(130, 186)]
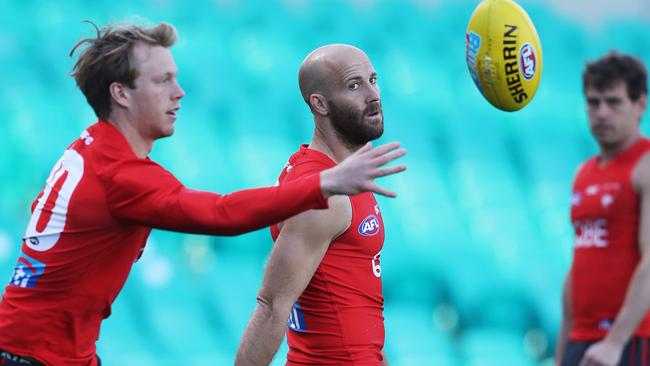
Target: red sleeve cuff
[(318, 191)]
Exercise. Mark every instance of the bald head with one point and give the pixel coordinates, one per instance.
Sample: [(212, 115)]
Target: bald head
[(326, 66), (339, 85)]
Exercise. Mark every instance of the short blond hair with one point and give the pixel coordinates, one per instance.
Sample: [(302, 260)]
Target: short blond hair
[(107, 58)]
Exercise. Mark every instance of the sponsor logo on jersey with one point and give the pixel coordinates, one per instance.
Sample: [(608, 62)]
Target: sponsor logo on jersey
[(591, 233), (527, 61), (86, 137), (592, 190), (606, 200), (27, 272), (604, 324), (369, 226), (605, 192), (296, 320)]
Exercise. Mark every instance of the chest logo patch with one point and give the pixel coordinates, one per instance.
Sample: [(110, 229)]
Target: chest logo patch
[(369, 226)]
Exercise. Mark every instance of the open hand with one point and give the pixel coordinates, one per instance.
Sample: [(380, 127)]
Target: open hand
[(358, 171)]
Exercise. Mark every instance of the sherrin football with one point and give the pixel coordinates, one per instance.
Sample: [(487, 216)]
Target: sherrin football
[(503, 53)]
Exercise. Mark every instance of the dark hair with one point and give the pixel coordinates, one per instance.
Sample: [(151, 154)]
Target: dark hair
[(616, 67), (107, 59)]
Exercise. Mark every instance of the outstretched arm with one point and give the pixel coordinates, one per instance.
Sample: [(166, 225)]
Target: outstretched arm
[(141, 192)]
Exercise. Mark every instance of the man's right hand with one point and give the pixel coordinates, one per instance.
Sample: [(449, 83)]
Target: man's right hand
[(358, 171)]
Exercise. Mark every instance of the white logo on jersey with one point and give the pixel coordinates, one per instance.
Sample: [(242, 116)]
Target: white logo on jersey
[(606, 200), (606, 192), (86, 137), (48, 219), (376, 267), (377, 209), (591, 233), (592, 190)]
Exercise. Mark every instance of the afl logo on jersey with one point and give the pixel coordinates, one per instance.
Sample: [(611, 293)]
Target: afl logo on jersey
[(369, 226)]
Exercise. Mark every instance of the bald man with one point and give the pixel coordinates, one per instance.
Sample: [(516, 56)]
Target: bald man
[(322, 282)]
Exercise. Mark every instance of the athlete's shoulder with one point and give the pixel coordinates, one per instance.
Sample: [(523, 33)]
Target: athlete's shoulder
[(645, 142), (306, 162), (107, 153), (642, 148), (104, 138), (103, 144), (641, 172)]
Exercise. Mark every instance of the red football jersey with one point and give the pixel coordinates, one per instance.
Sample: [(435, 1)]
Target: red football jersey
[(338, 318), (605, 216), (90, 224)]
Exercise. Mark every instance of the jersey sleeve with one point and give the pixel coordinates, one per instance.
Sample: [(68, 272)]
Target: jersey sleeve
[(141, 192)]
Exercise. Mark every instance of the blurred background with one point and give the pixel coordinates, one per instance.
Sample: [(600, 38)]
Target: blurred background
[(478, 241)]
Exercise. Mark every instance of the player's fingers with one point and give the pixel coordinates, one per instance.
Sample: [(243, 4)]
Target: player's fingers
[(388, 157), (389, 170), (382, 191), (383, 149), (365, 148)]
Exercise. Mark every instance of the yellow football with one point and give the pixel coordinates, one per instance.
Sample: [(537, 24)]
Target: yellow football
[(503, 53)]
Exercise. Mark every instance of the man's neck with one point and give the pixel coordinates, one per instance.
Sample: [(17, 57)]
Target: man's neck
[(608, 152), (141, 146), (329, 143)]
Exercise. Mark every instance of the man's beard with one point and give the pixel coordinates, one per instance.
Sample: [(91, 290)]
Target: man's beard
[(350, 125)]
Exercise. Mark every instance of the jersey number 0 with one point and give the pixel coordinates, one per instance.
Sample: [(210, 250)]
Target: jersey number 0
[(49, 216)]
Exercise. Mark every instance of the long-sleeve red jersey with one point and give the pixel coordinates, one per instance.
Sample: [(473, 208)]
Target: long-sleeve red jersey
[(90, 224)]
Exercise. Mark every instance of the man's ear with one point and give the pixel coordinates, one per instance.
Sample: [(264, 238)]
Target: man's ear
[(642, 104), (120, 94), (644, 101), (319, 104)]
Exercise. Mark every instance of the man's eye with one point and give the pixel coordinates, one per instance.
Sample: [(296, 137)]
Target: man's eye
[(614, 102)]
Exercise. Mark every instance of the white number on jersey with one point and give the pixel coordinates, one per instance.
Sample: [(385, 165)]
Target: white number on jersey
[(49, 216), (376, 267)]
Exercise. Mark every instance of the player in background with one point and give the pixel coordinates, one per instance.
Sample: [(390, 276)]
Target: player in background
[(322, 282), (92, 219), (607, 290)]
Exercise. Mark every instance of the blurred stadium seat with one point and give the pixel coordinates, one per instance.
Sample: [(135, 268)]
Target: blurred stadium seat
[(477, 243)]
